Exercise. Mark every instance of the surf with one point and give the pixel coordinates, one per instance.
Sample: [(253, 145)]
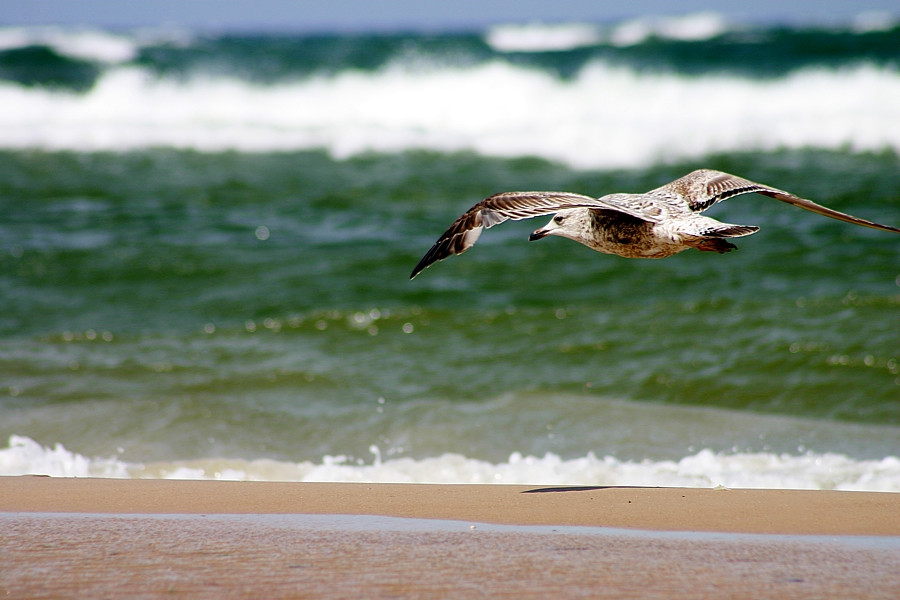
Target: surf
[(606, 117)]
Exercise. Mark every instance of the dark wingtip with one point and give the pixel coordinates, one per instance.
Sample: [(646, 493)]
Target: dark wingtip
[(423, 264)]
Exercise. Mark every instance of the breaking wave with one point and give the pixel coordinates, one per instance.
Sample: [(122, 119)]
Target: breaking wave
[(606, 117), (705, 468)]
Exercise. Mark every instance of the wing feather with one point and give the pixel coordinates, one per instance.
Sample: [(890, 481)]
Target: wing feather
[(703, 188), (692, 193), (496, 209)]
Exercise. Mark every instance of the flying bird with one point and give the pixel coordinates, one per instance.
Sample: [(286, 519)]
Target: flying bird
[(655, 224)]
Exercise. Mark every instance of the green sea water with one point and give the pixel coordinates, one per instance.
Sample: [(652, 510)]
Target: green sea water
[(189, 302), (206, 242)]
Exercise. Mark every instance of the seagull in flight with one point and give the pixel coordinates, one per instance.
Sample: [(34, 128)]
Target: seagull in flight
[(655, 224)]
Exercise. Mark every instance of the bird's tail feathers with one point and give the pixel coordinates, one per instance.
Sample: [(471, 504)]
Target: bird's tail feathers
[(727, 230)]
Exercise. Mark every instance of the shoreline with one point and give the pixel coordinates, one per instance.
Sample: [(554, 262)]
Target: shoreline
[(134, 538), (798, 512), (294, 556)]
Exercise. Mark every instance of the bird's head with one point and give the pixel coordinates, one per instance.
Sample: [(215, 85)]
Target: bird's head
[(572, 223)]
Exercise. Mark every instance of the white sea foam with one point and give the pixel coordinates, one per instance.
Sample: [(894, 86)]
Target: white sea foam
[(607, 117), (702, 469), (554, 37), (693, 27), (84, 44), (24, 456), (540, 37)]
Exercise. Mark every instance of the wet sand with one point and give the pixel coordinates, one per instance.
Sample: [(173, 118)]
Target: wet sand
[(201, 539)]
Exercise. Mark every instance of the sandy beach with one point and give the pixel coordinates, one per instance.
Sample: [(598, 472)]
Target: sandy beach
[(104, 538), (796, 512)]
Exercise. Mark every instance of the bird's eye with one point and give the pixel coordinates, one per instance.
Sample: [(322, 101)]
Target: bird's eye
[(558, 219)]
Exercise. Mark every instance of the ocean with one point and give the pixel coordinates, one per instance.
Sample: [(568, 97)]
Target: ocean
[(207, 238)]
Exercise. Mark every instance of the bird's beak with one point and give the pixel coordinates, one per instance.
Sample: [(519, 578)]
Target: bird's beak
[(537, 234)]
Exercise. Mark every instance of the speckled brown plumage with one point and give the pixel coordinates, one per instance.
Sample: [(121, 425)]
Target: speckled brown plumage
[(655, 224)]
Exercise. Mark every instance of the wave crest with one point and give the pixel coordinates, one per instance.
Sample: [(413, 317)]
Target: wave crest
[(703, 469), (560, 37), (607, 117), (81, 44)]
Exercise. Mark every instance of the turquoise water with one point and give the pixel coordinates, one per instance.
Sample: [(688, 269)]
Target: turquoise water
[(220, 271)]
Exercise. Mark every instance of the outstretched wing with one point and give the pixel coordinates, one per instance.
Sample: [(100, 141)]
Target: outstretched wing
[(702, 188), (496, 209)]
